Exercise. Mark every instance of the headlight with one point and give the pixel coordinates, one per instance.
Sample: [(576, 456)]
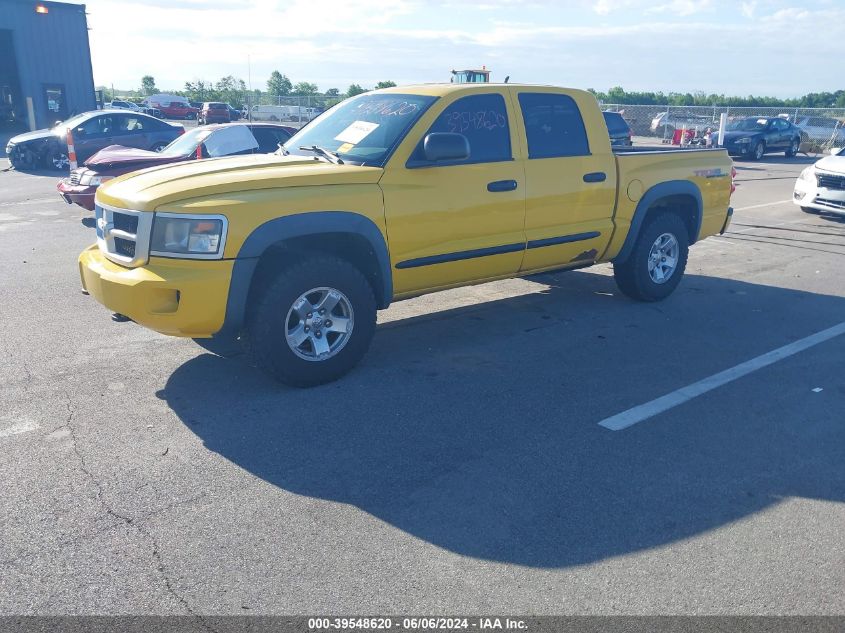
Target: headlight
[(188, 236), (745, 139), (90, 180), (809, 174)]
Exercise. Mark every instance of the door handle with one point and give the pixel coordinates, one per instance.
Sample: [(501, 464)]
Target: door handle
[(501, 185), (596, 176)]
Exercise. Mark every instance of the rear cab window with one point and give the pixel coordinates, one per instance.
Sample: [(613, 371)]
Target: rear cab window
[(553, 125)]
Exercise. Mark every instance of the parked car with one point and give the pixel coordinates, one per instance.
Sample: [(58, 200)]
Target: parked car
[(123, 105), (821, 187), (391, 195), (665, 123), (153, 112), (821, 129), (620, 132), (214, 140), (172, 106), (214, 112), (752, 137), (234, 113), (92, 131)]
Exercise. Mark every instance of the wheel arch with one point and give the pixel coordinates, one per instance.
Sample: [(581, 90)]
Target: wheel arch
[(348, 235), (680, 196)]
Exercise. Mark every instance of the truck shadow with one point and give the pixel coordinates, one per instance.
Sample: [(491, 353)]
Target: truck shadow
[(475, 429)]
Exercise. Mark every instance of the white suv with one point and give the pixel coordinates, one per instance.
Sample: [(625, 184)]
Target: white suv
[(821, 187), (822, 129)]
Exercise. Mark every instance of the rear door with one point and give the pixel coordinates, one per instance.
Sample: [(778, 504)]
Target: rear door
[(570, 176)]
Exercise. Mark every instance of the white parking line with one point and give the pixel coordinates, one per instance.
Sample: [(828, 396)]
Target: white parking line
[(760, 206), (17, 428), (680, 396)]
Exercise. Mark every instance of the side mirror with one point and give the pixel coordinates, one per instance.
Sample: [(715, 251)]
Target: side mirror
[(439, 146)]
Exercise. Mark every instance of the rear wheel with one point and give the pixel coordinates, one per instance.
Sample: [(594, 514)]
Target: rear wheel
[(314, 322), (658, 260), (793, 148)]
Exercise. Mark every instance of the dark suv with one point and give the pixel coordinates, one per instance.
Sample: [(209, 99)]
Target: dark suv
[(617, 127), (214, 112)]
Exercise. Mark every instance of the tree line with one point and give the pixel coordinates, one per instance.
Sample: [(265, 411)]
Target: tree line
[(619, 95), (233, 90)]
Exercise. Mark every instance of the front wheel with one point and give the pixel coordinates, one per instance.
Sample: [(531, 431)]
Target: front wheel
[(759, 150), (793, 148), (313, 322), (57, 159), (657, 262)]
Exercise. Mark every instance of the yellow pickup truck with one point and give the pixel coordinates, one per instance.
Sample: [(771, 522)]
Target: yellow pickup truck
[(389, 195)]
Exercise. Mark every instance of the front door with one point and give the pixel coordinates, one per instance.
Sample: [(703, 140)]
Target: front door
[(448, 224), (570, 180)]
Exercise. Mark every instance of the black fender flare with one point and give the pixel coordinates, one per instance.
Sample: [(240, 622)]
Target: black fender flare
[(298, 225), (657, 192)]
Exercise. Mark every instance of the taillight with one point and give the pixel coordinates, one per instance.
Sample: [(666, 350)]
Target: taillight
[(733, 175)]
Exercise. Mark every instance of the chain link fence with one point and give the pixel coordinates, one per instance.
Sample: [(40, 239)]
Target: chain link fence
[(821, 128)]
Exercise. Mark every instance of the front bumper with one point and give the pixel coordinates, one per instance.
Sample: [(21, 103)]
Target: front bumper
[(171, 296), (808, 194), (740, 149), (83, 195)]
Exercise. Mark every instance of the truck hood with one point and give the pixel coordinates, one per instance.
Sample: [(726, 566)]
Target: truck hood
[(835, 164), (148, 189)]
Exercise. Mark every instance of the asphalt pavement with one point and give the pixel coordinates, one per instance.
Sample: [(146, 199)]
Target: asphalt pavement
[(461, 467)]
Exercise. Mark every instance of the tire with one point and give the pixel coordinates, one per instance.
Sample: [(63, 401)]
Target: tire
[(793, 148), (273, 118), (759, 151), (635, 276), (290, 304), (190, 116), (157, 147), (57, 159)]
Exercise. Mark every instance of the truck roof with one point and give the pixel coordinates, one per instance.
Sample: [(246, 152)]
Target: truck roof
[(443, 89)]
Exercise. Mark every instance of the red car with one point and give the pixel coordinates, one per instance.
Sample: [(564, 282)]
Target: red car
[(214, 112), (212, 141), (172, 107)]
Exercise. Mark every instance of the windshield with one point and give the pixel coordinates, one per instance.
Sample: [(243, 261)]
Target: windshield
[(72, 123), (747, 125), (362, 130), (187, 143)]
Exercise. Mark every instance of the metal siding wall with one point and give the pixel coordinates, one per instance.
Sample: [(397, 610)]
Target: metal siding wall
[(51, 49)]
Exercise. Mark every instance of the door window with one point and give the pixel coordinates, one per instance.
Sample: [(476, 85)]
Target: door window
[(130, 124), (268, 140), (95, 126), (483, 120), (553, 125)]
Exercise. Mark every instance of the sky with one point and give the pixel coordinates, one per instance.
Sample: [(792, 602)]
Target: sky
[(781, 48)]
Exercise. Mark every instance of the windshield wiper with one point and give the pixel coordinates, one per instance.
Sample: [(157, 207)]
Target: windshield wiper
[(322, 151)]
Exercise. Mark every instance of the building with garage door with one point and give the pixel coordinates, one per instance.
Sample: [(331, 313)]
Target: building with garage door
[(45, 62)]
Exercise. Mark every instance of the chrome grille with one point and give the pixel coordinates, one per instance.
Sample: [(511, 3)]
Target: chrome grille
[(830, 181), (123, 235)]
